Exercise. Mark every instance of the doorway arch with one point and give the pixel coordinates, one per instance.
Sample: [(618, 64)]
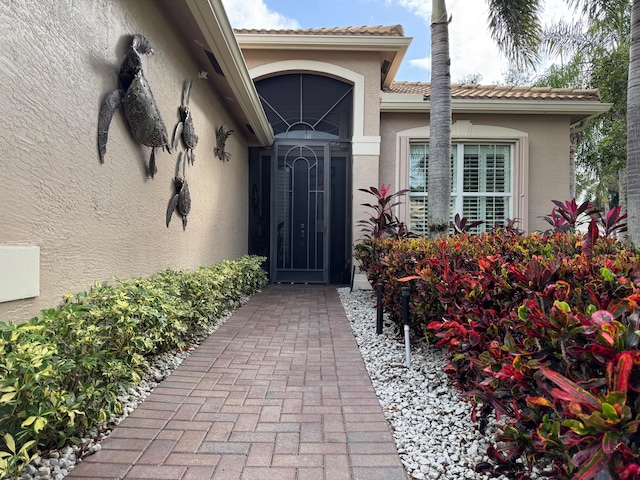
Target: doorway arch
[(309, 167)]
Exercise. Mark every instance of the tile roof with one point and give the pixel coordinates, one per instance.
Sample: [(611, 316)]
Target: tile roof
[(475, 91), (458, 91), (379, 30)]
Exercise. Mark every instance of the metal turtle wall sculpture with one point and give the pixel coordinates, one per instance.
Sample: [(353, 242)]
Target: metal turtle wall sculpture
[(181, 200), (184, 129), (139, 106), (221, 140)]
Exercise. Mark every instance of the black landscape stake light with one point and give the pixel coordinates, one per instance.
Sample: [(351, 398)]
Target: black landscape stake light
[(380, 308), (353, 276), (405, 318)]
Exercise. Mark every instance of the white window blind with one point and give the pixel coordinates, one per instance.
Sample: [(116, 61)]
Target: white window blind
[(480, 184)]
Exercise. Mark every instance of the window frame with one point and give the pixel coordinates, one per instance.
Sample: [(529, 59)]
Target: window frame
[(458, 194), (465, 132)]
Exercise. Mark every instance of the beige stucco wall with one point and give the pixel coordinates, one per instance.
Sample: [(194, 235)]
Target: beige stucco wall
[(95, 222), (548, 145)]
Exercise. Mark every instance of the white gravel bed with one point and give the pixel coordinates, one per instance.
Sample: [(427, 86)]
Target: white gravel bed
[(432, 425)]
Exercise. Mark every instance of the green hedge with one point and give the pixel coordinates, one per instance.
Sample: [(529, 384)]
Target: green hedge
[(61, 373)]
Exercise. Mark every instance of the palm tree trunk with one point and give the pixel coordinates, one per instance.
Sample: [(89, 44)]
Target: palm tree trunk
[(439, 180), (633, 128), (622, 201), (574, 138), (622, 189)]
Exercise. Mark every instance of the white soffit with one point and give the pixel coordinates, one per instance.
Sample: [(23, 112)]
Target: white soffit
[(292, 41), (214, 25)]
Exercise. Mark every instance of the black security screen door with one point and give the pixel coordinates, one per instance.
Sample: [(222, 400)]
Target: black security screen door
[(301, 246), (310, 177)]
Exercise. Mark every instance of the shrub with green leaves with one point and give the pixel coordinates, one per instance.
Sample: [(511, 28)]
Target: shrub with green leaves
[(61, 373)]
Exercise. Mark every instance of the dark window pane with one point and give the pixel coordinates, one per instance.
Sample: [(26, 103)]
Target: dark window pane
[(307, 103)]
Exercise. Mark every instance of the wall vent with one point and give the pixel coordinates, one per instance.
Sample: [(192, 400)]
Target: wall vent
[(214, 62)]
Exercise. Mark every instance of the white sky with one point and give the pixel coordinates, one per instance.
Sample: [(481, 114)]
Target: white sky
[(472, 49)]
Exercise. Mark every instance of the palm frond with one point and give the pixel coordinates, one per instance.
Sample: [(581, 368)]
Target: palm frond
[(565, 38), (515, 27)]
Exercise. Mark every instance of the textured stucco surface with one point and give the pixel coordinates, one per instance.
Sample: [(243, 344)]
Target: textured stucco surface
[(96, 222)]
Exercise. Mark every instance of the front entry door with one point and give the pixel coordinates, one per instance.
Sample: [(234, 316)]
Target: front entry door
[(300, 230)]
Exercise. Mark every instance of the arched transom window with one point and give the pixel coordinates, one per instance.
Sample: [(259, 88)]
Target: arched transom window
[(302, 105)]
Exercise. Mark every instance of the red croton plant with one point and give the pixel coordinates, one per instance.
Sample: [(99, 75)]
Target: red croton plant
[(542, 330)]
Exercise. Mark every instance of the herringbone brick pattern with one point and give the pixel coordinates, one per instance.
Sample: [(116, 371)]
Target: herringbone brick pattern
[(279, 392)]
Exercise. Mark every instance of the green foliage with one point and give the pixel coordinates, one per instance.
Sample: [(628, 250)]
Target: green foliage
[(602, 150), (516, 29), (61, 373), (14, 460), (594, 48), (469, 79), (540, 329)]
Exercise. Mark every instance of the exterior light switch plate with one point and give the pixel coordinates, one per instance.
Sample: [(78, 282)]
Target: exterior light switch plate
[(19, 272)]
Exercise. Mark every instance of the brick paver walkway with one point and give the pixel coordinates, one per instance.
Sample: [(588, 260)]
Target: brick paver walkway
[(279, 392)]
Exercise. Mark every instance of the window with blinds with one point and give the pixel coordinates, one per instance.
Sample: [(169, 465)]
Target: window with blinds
[(480, 184)]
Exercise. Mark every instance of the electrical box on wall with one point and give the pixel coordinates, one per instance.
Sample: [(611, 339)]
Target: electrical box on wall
[(19, 272)]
